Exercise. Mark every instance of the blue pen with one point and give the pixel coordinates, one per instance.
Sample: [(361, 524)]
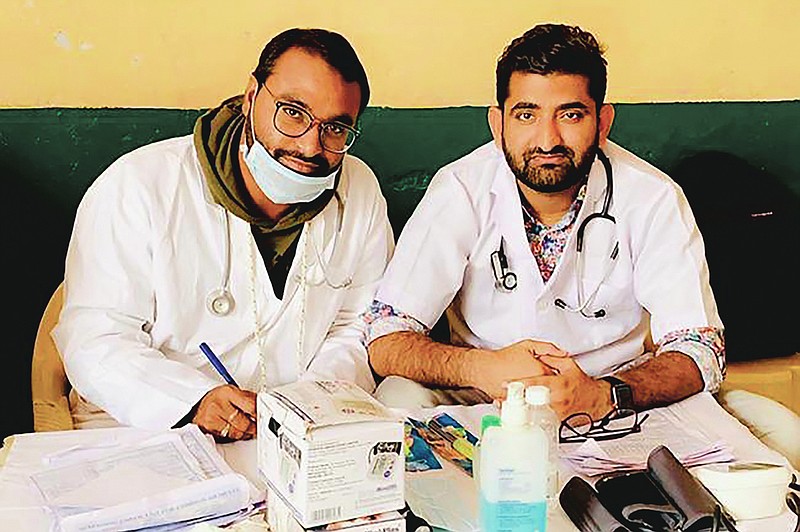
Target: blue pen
[(217, 364)]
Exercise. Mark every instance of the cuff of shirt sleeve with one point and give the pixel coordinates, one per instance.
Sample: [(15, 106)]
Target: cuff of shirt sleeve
[(392, 324), (382, 319), (704, 357)]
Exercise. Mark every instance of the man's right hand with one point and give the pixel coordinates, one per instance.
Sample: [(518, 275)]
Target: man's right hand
[(493, 370), (228, 413)]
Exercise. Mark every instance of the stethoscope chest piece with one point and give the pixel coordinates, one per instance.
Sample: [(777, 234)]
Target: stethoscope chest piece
[(220, 302), (509, 281), (504, 278)]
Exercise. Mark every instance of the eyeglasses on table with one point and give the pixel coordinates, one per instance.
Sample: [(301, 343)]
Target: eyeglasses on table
[(616, 424)]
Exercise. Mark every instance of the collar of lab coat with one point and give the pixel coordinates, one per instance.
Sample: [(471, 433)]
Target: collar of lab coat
[(324, 223), (323, 226)]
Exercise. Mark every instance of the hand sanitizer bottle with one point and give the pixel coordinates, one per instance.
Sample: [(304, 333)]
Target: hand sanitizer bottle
[(488, 420), (513, 470), (542, 416)]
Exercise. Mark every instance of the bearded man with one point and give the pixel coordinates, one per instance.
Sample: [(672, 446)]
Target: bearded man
[(258, 238), (559, 257)]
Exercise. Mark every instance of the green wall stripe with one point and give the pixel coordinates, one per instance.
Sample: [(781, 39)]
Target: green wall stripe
[(48, 157)]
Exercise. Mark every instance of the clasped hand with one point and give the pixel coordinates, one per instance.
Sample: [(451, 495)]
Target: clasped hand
[(495, 369), (534, 362), (572, 390)]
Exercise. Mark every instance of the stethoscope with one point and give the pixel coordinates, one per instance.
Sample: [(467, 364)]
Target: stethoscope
[(220, 302), (506, 280)]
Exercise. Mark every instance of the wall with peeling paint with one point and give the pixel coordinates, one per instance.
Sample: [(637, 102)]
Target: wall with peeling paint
[(418, 53)]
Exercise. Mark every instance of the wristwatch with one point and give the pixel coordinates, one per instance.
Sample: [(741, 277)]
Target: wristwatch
[(621, 394)]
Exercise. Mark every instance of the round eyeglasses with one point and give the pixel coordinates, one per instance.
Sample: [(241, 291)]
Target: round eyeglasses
[(294, 121)]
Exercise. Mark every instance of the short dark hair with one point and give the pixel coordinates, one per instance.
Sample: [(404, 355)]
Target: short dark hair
[(550, 49), (330, 46)]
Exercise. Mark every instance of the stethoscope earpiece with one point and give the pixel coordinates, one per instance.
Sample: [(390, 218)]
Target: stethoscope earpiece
[(583, 303)]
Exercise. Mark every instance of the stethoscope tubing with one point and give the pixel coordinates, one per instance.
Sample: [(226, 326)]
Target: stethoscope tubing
[(506, 280), (220, 301)]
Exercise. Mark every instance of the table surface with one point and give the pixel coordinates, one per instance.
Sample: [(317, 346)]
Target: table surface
[(701, 411)]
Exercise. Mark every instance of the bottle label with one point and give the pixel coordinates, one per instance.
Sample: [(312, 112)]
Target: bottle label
[(513, 516)]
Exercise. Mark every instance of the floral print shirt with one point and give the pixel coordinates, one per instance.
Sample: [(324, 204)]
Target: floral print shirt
[(704, 345)]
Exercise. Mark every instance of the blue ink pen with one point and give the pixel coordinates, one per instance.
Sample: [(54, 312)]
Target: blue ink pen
[(217, 364)]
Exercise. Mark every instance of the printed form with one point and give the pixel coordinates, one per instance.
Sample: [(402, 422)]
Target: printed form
[(161, 480)]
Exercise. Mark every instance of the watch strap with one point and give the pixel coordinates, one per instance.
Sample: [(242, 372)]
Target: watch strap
[(621, 393)]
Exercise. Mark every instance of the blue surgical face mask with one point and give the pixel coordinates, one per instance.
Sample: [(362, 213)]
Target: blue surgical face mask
[(280, 184)]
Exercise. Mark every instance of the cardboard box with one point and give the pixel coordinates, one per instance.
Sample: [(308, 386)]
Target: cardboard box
[(281, 519), (330, 450)]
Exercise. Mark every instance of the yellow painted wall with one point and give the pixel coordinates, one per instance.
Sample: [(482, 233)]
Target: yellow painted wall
[(418, 53)]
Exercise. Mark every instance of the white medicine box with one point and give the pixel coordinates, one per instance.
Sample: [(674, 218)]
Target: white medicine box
[(281, 519), (330, 451)]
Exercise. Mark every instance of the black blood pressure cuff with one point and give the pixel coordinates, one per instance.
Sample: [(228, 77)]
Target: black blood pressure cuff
[(663, 498)]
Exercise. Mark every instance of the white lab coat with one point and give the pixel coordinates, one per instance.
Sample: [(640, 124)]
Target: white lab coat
[(660, 278), (147, 248)]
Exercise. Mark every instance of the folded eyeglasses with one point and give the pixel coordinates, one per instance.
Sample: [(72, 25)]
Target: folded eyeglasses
[(616, 424)]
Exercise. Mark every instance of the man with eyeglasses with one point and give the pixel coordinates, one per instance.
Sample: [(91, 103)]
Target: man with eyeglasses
[(257, 236)]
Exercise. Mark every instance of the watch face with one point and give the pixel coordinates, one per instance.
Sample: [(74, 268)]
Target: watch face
[(621, 396)]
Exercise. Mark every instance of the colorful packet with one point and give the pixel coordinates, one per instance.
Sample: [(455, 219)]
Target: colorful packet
[(451, 428), (442, 445), (419, 456)]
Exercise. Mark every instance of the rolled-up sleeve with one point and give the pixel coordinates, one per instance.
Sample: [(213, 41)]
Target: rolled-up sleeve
[(704, 345), (671, 280), (381, 319)]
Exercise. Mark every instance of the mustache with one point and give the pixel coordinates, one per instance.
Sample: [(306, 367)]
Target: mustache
[(317, 160), (555, 150)]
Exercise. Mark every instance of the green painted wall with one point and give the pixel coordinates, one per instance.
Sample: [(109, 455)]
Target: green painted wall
[(48, 157)]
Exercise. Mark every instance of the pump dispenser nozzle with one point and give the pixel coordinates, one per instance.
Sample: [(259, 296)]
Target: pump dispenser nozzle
[(537, 395), (514, 412)]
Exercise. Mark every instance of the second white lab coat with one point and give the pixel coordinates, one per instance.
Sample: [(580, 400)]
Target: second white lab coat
[(147, 248), (659, 280)]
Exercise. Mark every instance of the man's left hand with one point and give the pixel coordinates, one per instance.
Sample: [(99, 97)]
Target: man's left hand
[(572, 390)]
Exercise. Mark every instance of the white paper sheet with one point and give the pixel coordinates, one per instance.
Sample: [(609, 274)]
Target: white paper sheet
[(116, 479)]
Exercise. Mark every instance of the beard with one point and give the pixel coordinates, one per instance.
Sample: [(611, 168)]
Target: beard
[(552, 177), (323, 167)]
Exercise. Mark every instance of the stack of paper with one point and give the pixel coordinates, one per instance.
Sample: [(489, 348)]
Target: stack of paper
[(124, 479), (597, 458), (673, 426)]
